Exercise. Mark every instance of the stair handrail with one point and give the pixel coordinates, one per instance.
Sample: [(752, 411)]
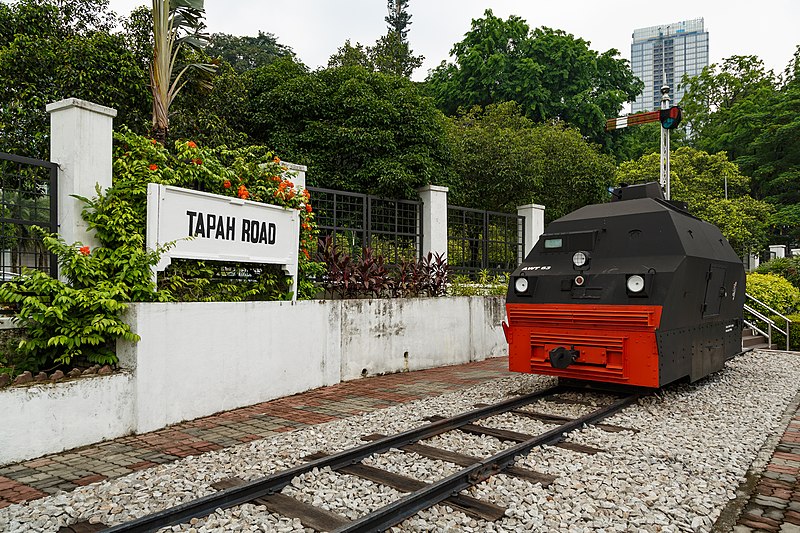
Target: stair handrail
[(754, 325), (770, 322)]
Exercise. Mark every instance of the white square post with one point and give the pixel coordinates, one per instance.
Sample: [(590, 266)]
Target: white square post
[(81, 135), (534, 225), (434, 219)]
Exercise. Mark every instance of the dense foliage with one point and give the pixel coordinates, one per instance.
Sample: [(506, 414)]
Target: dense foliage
[(356, 130), (754, 116), (551, 74), (502, 159)]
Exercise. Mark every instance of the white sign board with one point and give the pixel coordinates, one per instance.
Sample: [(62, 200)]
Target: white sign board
[(224, 229)]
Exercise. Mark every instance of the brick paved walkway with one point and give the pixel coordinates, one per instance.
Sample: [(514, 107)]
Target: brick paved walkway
[(29, 480), (775, 505)]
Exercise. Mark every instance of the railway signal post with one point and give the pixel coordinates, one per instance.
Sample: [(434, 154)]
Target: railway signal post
[(670, 118)]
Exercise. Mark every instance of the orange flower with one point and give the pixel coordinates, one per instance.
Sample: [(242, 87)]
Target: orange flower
[(306, 254), (227, 184), (153, 141), (308, 207), (243, 193), (276, 159), (153, 167), (191, 144), (306, 193), (275, 178), (305, 226), (84, 250)]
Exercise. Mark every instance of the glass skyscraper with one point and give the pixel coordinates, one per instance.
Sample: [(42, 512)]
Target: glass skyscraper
[(672, 50)]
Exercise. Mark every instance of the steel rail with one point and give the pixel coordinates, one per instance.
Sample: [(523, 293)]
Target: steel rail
[(437, 492), (268, 485)]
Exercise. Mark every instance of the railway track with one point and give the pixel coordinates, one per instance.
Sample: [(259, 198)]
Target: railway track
[(419, 495)]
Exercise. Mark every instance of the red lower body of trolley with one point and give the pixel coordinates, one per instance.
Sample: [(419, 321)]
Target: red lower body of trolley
[(612, 343)]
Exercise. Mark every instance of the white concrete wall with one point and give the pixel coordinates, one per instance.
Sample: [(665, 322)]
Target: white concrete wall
[(229, 355), (197, 359), (47, 418)]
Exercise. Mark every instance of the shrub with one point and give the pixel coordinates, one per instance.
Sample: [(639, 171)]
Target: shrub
[(368, 275), (80, 319), (484, 285), (786, 267), (774, 291)]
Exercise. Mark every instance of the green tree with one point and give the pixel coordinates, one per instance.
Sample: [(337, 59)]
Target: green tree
[(51, 50), (724, 105), (356, 130), (549, 73), (246, 53), (698, 178), (501, 160), (349, 56)]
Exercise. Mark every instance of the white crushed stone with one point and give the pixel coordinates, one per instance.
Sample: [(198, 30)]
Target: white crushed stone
[(692, 450)]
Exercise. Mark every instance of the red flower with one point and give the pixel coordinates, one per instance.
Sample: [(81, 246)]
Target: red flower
[(153, 167), (243, 193), (191, 144), (197, 161), (308, 207), (227, 184), (84, 250)]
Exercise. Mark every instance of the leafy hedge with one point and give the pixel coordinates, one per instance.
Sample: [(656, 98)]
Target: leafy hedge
[(774, 291)]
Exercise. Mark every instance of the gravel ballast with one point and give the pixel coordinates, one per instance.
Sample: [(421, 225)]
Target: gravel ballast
[(692, 448)]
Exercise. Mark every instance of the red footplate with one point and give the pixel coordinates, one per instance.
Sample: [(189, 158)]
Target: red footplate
[(615, 343)]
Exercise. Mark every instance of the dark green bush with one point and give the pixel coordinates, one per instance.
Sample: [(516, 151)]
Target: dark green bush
[(786, 267)]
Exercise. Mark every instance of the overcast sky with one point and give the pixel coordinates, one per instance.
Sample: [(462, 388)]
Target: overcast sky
[(316, 28)]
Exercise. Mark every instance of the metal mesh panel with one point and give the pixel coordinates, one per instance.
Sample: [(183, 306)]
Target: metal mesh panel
[(27, 198), (483, 240), (394, 229), (390, 227)]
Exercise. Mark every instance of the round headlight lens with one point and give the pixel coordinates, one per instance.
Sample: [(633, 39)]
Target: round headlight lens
[(636, 283), (521, 285), (579, 259)]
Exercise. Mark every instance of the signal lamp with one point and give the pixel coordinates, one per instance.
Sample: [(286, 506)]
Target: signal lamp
[(670, 118)]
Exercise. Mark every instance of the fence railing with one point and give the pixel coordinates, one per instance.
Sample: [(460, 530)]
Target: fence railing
[(392, 228), (483, 240), (28, 197), (761, 318)]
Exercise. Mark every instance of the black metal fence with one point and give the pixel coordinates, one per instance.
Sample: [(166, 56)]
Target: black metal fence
[(28, 197), (483, 240), (390, 227)]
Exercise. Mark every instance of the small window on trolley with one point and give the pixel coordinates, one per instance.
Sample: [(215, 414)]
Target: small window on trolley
[(569, 242)]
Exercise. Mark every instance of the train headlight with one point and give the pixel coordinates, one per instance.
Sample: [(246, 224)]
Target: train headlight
[(635, 283), (521, 285), (579, 259)]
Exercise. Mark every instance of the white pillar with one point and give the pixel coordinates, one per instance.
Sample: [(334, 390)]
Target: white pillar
[(777, 250), (80, 143), (534, 225), (753, 262), (434, 219)]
